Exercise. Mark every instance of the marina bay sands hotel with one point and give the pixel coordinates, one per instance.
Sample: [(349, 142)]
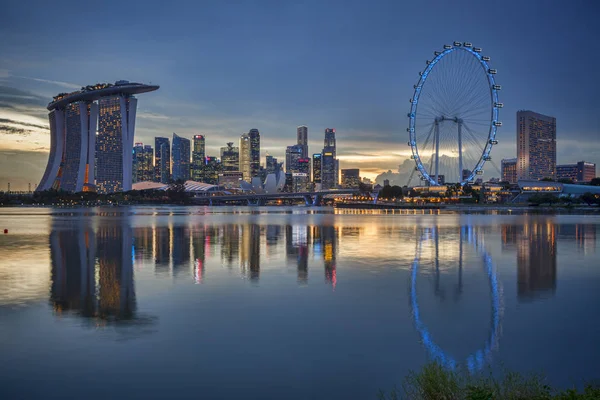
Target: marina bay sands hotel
[(91, 138)]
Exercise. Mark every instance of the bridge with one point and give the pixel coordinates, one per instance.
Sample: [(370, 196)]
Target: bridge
[(259, 199)]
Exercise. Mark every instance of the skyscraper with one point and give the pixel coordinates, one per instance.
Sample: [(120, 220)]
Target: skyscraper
[(302, 133), (254, 136), (82, 158), (292, 155), (536, 146), (162, 159), (230, 157), (198, 155), (316, 167), (350, 178), (138, 162), (271, 164), (509, 170), (143, 169), (245, 164), (148, 165), (329, 143), (181, 158), (328, 165)]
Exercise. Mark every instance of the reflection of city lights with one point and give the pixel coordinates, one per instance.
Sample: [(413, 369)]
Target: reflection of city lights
[(198, 271)]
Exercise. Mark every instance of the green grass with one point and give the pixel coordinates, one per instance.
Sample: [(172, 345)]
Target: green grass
[(434, 382)]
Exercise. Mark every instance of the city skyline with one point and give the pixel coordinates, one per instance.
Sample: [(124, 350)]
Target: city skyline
[(366, 102)]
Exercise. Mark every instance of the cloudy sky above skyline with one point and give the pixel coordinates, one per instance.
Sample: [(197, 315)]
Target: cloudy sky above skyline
[(226, 67)]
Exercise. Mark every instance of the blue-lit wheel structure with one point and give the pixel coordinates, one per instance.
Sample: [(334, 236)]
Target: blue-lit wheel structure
[(453, 116)]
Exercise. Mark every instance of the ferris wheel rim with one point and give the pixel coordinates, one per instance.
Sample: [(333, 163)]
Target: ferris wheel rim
[(494, 115)]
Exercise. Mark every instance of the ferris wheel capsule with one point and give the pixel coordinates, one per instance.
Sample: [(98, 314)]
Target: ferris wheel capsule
[(457, 44), (486, 58), (447, 47), (477, 49), (467, 44)]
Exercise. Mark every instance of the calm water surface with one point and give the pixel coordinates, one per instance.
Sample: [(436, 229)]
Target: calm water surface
[(293, 303)]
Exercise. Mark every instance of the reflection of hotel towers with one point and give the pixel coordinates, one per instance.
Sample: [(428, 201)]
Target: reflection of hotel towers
[(75, 272), (297, 238), (180, 249), (583, 234), (325, 238), (250, 251), (230, 245), (536, 259)]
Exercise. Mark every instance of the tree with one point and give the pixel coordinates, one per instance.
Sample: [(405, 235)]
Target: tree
[(595, 181), (545, 198), (589, 198), (565, 180), (546, 180)]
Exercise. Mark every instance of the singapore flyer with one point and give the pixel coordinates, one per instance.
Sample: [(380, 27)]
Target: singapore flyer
[(453, 115)]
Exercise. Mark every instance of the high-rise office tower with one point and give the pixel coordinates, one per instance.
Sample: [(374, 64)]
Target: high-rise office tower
[(536, 146), (254, 136), (271, 164), (212, 168), (162, 160), (292, 155), (329, 142), (83, 158), (245, 156), (143, 169), (508, 167), (316, 167), (328, 166), (181, 158), (148, 165), (330, 177), (198, 157), (138, 162), (350, 178), (301, 176), (230, 157), (302, 133)]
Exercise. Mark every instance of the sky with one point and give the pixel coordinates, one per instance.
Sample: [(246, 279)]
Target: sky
[(225, 67)]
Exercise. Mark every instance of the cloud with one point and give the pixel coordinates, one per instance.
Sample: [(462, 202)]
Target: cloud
[(10, 121), (66, 85)]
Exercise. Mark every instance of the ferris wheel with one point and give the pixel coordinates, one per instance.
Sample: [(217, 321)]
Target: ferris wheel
[(453, 116)]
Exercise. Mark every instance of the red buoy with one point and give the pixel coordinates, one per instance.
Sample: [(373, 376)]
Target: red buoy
[(6, 231)]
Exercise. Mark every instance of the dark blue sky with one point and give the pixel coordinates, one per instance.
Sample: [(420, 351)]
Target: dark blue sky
[(225, 67)]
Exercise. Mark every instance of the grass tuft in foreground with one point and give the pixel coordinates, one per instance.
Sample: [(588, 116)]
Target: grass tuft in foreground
[(434, 382)]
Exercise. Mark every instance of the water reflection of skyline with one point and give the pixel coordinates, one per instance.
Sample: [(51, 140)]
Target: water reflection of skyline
[(92, 271)]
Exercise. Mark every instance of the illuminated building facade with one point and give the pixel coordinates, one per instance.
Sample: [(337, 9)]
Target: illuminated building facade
[(350, 178), (292, 155), (316, 167), (162, 160), (536, 146), (328, 174), (509, 170), (83, 158), (245, 157), (211, 170), (536, 260), (302, 134), (254, 136), (198, 157), (230, 157), (181, 158), (329, 162), (579, 172), (143, 168)]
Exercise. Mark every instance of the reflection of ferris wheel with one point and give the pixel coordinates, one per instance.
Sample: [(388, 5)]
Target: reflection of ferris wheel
[(454, 115), (476, 360)]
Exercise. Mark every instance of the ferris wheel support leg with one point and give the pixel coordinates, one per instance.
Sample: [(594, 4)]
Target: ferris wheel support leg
[(460, 161), (437, 152)]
